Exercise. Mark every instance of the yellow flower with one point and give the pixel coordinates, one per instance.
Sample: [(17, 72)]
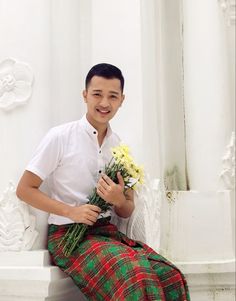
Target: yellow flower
[(122, 157)]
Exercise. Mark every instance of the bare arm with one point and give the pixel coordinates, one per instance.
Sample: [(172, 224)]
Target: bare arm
[(28, 191), (126, 207)]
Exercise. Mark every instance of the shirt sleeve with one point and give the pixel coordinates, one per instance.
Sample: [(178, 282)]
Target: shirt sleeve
[(47, 156)]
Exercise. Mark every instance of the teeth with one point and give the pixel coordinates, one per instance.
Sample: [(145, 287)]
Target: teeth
[(103, 111)]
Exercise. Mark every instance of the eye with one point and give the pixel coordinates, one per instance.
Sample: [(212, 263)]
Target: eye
[(113, 96), (96, 94)]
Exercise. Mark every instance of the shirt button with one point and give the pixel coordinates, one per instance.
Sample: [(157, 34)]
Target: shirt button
[(100, 152), (95, 132), (100, 171)]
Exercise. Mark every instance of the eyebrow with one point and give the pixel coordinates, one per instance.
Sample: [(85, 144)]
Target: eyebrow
[(111, 92)]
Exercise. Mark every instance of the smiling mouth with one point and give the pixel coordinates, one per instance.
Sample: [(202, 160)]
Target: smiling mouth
[(103, 111)]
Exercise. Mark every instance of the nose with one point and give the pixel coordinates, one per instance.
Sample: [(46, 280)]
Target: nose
[(104, 102)]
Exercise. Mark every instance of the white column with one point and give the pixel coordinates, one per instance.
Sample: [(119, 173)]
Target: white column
[(116, 39), (25, 36), (70, 57), (152, 87), (209, 102), (198, 226)]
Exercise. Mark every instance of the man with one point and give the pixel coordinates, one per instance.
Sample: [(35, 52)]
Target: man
[(106, 265)]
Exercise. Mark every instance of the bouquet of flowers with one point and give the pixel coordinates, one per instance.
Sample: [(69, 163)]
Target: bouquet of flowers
[(132, 175)]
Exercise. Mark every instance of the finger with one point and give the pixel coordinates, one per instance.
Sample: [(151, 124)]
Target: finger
[(103, 189), (94, 208), (102, 195), (102, 184), (92, 214), (92, 218), (101, 192), (107, 179), (120, 179), (88, 222)]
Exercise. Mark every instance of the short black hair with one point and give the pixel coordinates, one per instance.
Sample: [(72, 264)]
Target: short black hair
[(107, 71)]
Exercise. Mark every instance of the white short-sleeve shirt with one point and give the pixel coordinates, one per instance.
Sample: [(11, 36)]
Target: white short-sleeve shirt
[(70, 159)]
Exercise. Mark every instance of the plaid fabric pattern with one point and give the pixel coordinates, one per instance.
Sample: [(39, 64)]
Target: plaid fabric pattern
[(108, 266)]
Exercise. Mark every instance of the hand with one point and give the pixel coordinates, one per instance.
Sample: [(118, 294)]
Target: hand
[(111, 192), (86, 214)]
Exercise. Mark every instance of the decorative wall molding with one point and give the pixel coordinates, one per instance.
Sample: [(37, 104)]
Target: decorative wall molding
[(173, 179), (16, 80), (228, 172), (171, 196), (229, 7), (17, 225), (144, 223)]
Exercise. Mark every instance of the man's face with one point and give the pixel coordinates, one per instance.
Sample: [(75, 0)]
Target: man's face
[(103, 98)]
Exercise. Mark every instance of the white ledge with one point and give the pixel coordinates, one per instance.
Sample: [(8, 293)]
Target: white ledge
[(39, 258), (207, 267)]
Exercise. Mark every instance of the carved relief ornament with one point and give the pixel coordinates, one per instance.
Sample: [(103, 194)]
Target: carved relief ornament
[(16, 79), (229, 7), (17, 225), (228, 160)]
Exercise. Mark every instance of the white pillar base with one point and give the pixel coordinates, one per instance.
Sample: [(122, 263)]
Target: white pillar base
[(29, 276), (198, 226), (198, 235), (210, 281)]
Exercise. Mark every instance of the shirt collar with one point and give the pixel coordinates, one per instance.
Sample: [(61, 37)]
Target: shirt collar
[(90, 129)]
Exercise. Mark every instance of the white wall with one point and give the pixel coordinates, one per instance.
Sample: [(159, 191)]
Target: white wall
[(209, 100), (162, 78)]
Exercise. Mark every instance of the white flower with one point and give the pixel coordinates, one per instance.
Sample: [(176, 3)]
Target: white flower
[(16, 79)]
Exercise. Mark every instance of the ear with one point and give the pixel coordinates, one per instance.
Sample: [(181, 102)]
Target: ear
[(85, 96), (122, 99)]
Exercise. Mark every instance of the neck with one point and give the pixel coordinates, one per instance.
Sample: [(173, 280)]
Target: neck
[(101, 137), (101, 128)]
